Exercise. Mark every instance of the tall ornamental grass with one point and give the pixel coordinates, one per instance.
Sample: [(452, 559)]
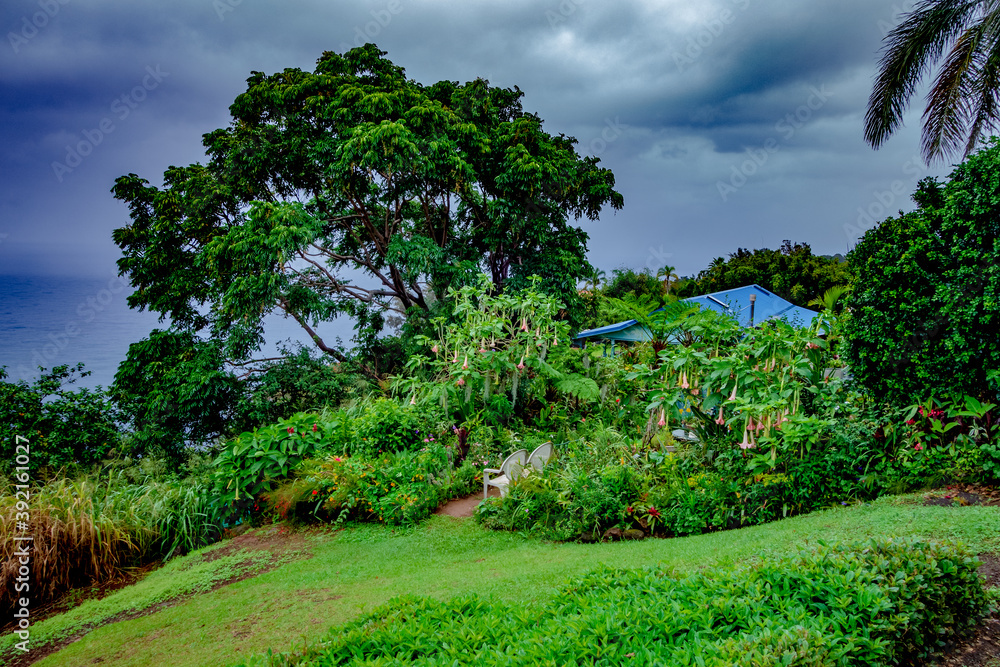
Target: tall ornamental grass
[(89, 530)]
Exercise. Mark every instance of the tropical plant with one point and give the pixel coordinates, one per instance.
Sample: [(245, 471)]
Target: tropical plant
[(962, 104), (497, 346)]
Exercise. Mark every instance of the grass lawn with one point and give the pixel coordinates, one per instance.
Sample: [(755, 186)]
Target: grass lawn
[(322, 578)]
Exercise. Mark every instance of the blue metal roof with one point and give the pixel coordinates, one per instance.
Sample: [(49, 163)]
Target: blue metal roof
[(733, 302)]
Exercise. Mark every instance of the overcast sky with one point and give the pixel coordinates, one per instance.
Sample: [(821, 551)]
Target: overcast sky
[(727, 123)]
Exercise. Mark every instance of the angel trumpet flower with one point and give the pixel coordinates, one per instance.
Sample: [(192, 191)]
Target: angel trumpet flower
[(663, 419), (465, 364), (721, 420)]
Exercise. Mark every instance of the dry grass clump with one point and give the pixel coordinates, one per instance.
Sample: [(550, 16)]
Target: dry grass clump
[(88, 530)]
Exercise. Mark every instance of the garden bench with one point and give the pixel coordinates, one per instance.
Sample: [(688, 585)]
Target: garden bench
[(513, 467)]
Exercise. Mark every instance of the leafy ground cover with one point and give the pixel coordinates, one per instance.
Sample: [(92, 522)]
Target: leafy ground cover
[(351, 572)]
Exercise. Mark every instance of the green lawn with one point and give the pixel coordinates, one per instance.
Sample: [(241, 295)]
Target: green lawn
[(352, 571)]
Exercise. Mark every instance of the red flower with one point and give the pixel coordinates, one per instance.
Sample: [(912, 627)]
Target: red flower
[(911, 422), (291, 430), (315, 492), (653, 512), (314, 428)]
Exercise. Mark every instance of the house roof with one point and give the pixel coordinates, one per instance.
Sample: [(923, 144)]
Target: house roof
[(733, 302)]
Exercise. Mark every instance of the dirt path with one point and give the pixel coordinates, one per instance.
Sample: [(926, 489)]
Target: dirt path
[(463, 507)]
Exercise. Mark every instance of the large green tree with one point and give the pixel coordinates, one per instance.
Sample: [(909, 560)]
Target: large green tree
[(352, 190), (924, 313), (962, 104)]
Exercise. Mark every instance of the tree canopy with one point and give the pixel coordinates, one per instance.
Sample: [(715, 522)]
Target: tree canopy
[(924, 314), (352, 190), (792, 272)]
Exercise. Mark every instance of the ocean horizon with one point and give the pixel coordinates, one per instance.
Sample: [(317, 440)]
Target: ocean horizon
[(51, 321)]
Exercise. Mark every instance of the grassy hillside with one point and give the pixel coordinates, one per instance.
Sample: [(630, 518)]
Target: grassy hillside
[(287, 588)]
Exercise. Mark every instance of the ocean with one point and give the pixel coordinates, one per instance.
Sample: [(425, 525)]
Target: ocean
[(50, 321)]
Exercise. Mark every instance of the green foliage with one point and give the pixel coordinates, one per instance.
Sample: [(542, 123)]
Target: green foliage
[(386, 426), (399, 489), (174, 391), (877, 603), (300, 382), (792, 272), (496, 345), (352, 190), (93, 528), (251, 461), (923, 311), (62, 428)]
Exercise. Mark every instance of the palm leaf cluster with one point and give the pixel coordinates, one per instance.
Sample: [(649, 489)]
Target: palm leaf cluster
[(962, 105)]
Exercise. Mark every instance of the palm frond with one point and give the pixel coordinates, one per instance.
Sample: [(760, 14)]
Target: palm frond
[(910, 50), (948, 114), (984, 102)]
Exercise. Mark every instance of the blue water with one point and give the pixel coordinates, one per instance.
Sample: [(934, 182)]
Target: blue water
[(49, 321)]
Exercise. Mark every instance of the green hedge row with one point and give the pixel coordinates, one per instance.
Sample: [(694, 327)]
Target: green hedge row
[(877, 603)]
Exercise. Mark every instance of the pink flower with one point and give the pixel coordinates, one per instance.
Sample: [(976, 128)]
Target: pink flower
[(663, 420), (455, 360), (524, 324), (434, 349), (291, 430), (338, 459), (746, 444), (684, 381), (918, 447), (315, 426), (732, 396), (520, 365), (461, 381), (413, 400), (465, 364), (721, 420)]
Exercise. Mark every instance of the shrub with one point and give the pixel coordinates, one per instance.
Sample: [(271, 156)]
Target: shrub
[(886, 602), (386, 426), (923, 311), (62, 427)]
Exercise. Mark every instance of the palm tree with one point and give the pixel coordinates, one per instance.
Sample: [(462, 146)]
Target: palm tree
[(828, 301), (669, 278), (962, 104)]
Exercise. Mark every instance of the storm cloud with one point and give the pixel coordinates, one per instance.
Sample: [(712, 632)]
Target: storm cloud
[(728, 123)]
